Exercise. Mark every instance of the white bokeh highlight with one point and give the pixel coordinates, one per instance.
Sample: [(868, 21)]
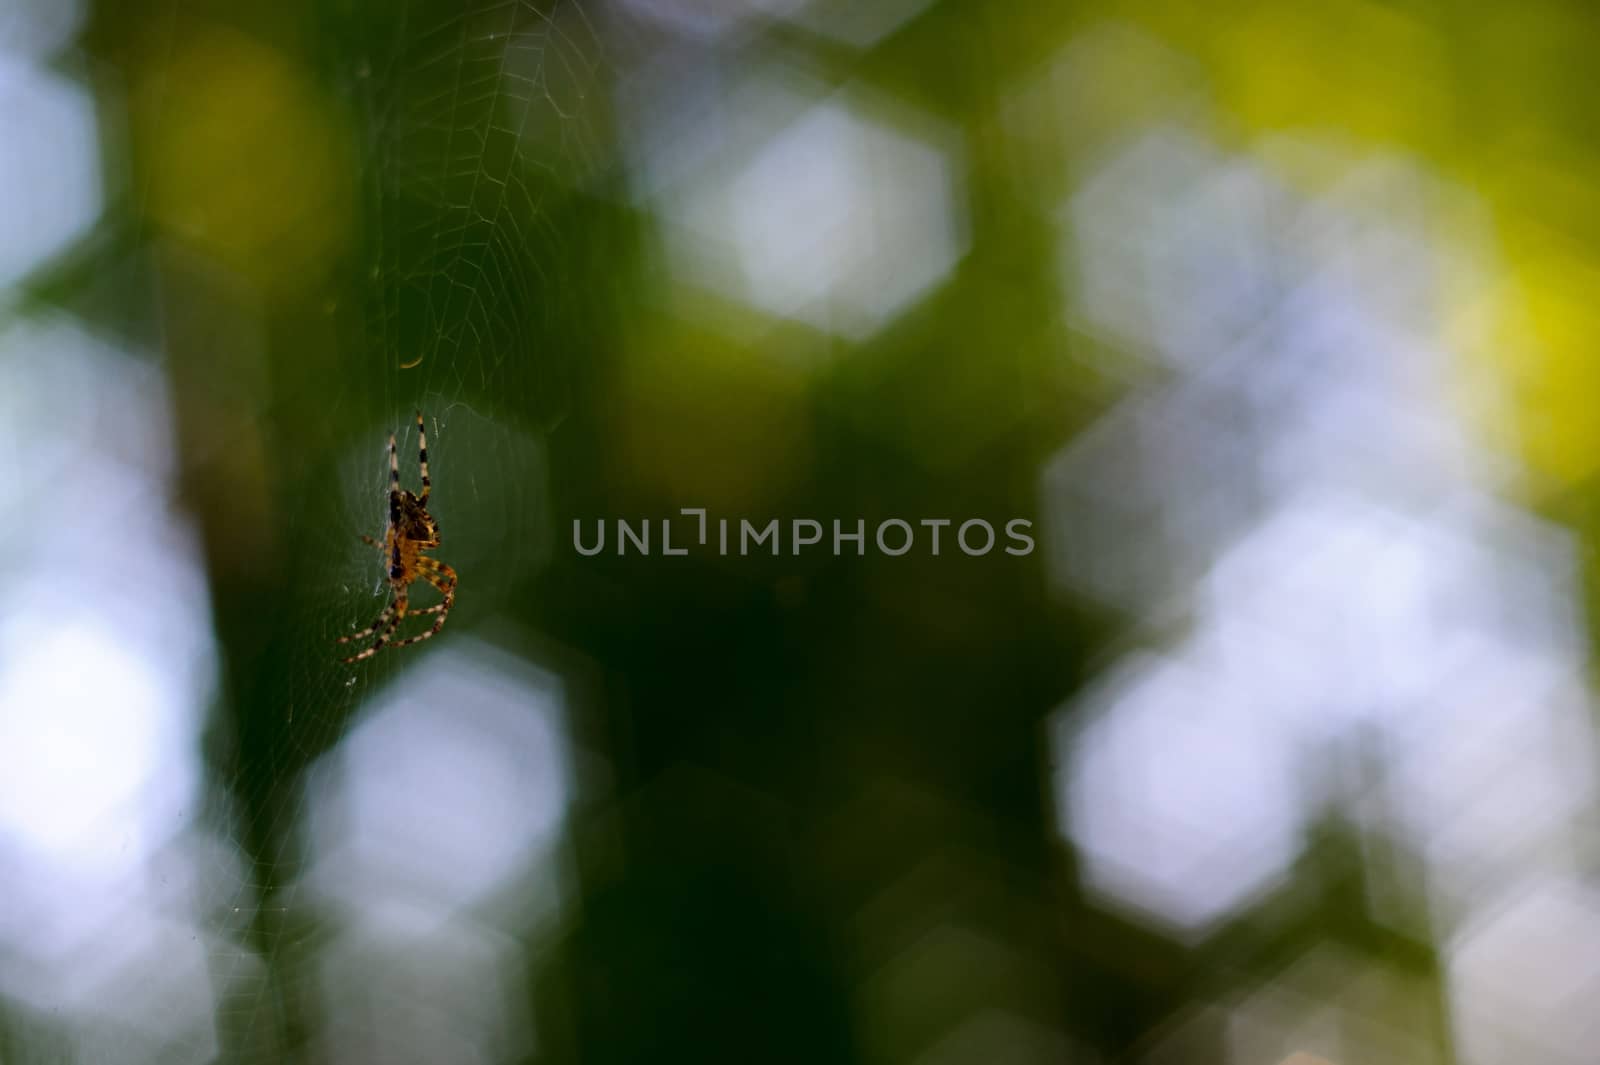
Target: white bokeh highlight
[(1523, 977), (405, 985), (434, 832), (50, 169), (1359, 623), (711, 20), (106, 665), (837, 211), (454, 785), (1182, 801)]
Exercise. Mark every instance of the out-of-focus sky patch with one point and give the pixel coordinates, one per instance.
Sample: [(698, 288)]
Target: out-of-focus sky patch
[(1315, 90), (835, 208), (854, 24), (107, 658), (50, 178), (1522, 977), (1302, 498), (39, 28), (107, 662), (846, 217), (1186, 802), (409, 984), (711, 20), (478, 738)]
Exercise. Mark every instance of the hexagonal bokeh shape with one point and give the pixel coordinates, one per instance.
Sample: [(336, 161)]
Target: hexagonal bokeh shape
[(50, 170), (1167, 248), (1524, 977), (1183, 804), (841, 220), (455, 785), (1137, 507), (407, 985)]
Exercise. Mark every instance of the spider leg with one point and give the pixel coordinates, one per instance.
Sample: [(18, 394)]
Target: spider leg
[(387, 622), (422, 451), (394, 506), (443, 578), (369, 540), (383, 619), (394, 483), (440, 576), (377, 644), (431, 572)]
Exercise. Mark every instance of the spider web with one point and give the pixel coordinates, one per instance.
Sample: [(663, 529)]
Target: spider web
[(477, 138)]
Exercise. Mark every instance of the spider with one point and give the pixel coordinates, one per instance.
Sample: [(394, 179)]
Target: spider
[(411, 531)]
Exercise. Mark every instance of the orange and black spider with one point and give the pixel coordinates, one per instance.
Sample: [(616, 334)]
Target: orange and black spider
[(411, 531)]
